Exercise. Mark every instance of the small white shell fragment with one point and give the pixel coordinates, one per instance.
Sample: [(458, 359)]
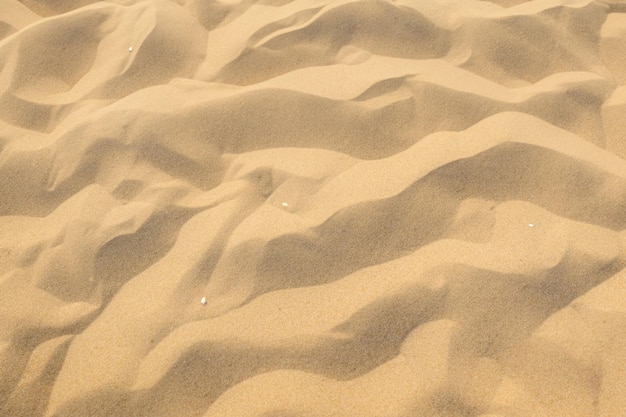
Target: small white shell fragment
[(531, 225), (130, 49), (203, 301), (285, 204)]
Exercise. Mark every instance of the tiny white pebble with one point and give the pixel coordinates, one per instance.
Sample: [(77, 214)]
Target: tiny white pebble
[(285, 204), (203, 301), (531, 225), (130, 49)]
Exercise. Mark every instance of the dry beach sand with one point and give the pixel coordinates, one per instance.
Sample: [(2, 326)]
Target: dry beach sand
[(396, 208)]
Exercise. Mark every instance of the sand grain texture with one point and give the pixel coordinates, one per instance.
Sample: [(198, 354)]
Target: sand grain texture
[(393, 208)]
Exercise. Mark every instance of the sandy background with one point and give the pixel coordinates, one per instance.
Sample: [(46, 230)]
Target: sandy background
[(392, 208)]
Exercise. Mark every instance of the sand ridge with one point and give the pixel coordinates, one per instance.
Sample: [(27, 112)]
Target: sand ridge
[(392, 208)]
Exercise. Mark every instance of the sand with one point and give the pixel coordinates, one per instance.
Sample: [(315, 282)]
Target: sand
[(312, 208)]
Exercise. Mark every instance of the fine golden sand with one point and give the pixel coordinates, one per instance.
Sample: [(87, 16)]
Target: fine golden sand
[(312, 208)]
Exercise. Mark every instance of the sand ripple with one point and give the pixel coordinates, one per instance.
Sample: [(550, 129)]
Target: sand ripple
[(393, 208)]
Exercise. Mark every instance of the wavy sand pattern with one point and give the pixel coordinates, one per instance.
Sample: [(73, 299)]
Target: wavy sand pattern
[(393, 208)]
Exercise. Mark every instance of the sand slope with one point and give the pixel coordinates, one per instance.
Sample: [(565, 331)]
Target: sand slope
[(393, 208)]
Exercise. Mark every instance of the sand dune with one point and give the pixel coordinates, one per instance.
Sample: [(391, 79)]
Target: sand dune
[(392, 208)]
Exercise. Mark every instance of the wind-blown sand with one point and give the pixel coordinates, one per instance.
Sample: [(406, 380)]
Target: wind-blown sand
[(393, 208)]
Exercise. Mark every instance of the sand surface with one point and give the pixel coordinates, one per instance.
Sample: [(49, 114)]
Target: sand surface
[(397, 208)]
